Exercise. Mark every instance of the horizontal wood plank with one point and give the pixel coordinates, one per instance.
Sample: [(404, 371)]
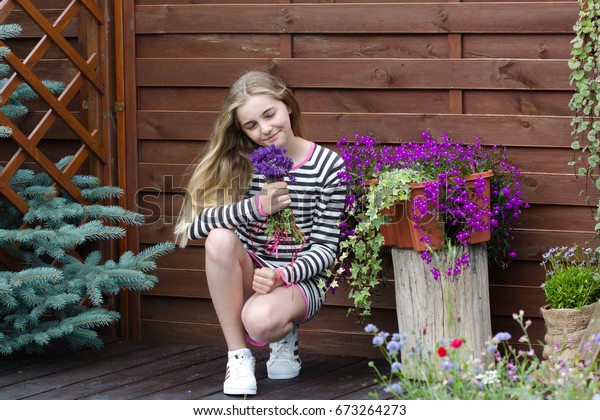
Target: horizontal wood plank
[(499, 102), (370, 73), (375, 45), (503, 298), (537, 188), (506, 130), (514, 45), (208, 45), (529, 159), (311, 100), (513, 17)]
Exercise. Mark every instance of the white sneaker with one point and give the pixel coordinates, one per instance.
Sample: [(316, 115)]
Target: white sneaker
[(239, 378), (284, 362)]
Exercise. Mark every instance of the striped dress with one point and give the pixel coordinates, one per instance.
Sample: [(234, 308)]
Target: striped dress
[(317, 204)]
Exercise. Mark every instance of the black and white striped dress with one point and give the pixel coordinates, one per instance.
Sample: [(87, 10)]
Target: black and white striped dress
[(317, 204)]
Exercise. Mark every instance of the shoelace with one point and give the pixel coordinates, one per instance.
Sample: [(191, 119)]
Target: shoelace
[(242, 365), (282, 349)]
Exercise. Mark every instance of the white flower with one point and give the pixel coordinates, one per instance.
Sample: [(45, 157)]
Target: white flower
[(488, 377)]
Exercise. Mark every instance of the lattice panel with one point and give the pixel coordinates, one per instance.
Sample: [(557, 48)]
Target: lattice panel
[(86, 84)]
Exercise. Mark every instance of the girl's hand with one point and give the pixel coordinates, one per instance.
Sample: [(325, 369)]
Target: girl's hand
[(265, 280), (274, 197)]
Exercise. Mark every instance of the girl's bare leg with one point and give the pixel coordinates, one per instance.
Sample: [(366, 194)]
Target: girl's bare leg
[(229, 272), (271, 317)]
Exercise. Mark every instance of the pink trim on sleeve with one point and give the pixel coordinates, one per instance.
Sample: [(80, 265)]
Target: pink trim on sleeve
[(282, 275), (260, 207)]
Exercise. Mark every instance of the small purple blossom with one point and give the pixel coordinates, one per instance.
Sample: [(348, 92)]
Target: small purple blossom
[(370, 328), (393, 347), (272, 163), (502, 336), (378, 341), (394, 388)]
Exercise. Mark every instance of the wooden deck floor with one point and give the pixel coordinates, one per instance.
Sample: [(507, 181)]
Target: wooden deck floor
[(130, 370)]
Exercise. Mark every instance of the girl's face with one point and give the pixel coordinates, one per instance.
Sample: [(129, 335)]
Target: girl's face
[(265, 120)]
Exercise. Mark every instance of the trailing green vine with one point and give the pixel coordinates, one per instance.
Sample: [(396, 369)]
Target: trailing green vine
[(585, 76), (361, 253)]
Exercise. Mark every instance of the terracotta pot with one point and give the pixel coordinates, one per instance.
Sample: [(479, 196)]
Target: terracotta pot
[(402, 232), (429, 226), (398, 231)]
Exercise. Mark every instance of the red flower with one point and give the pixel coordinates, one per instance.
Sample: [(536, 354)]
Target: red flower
[(456, 343), (442, 352)]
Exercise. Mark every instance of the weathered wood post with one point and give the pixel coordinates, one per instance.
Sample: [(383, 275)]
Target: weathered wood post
[(433, 310)]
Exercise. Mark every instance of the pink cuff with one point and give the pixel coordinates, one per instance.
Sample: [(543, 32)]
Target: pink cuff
[(281, 274), (260, 207)]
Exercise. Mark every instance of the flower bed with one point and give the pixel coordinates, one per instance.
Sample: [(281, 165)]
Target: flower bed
[(499, 371)]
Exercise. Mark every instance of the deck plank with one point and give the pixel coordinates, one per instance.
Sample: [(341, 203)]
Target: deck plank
[(130, 370), (119, 377)]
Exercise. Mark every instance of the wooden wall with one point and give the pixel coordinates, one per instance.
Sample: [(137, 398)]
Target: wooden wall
[(492, 69)]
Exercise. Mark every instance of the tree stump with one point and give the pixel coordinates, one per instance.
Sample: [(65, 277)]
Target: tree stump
[(434, 310)]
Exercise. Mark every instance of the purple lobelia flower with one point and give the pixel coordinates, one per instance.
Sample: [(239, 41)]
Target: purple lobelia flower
[(272, 163), (281, 229)]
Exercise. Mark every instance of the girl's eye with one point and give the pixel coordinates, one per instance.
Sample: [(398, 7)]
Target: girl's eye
[(269, 115)]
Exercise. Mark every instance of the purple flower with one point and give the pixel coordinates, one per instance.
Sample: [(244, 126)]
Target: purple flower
[(370, 328), (281, 229), (272, 163), (502, 336)]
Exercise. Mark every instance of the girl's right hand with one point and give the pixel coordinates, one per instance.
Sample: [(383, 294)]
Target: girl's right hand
[(274, 197)]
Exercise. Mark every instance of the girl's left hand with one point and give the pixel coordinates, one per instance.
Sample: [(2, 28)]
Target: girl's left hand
[(265, 280)]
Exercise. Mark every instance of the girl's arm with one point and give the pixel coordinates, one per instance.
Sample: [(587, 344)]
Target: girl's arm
[(227, 216)]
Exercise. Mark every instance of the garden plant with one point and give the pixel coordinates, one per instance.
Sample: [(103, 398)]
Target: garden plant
[(442, 167), (56, 284)]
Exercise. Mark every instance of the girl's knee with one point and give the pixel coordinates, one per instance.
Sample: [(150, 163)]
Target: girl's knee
[(221, 243), (261, 323)]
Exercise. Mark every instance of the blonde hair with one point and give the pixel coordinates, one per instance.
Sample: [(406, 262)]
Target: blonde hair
[(226, 162)]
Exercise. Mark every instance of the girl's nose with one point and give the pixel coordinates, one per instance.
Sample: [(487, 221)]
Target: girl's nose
[(266, 128)]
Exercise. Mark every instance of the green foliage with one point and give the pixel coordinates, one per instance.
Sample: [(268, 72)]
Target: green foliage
[(572, 277), (573, 287), (363, 248), (44, 300), (585, 76)]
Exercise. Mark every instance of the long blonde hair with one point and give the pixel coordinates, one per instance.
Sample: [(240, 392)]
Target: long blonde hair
[(224, 173)]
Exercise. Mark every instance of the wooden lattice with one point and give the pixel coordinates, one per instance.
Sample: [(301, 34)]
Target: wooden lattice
[(93, 140), (88, 130)]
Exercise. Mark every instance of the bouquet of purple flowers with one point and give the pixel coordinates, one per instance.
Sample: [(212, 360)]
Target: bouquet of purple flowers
[(274, 165)]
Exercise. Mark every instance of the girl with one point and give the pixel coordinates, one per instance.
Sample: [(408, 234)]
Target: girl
[(261, 296)]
